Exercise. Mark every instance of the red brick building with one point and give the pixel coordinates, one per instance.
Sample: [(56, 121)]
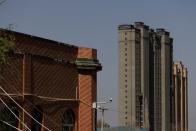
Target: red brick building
[(54, 82)]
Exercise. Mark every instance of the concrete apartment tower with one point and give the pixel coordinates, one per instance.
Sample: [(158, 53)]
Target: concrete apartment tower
[(145, 77), (163, 59), (180, 97), (130, 97)]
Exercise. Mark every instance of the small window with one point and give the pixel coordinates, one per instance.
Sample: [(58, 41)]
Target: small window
[(68, 120), (37, 114)]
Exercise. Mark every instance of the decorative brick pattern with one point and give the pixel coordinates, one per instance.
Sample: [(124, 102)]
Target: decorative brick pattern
[(40, 67)]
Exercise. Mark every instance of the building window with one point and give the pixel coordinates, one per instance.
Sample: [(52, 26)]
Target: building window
[(7, 116), (125, 33), (68, 120), (125, 43), (125, 54), (38, 115), (125, 38)]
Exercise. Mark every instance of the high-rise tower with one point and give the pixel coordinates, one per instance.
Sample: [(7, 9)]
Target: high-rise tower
[(145, 77), (130, 97), (180, 97)]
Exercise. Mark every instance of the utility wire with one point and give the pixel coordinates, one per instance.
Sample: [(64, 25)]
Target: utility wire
[(108, 109), (10, 125), (42, 97), (24, 109), (46, 116), (28, 102), (60, 99), (18, 50), (14, 114)]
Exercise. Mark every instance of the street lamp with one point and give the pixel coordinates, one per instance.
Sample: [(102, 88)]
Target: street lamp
[(96, 107)]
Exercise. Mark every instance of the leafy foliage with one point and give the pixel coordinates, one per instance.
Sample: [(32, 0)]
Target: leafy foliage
[(6, 44)]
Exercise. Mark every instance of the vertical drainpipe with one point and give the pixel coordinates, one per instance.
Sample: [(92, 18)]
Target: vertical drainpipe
[(23, 86)]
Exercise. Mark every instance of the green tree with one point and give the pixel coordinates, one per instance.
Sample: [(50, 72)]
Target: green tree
[(105, 125), (5, 46), (6, 42), (2, 1)]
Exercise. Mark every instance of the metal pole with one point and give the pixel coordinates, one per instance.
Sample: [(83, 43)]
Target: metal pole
[(95, 107), (102, 118), (94, 120)]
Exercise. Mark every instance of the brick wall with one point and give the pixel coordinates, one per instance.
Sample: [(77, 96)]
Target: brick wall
[(41, 67), (87, 92)]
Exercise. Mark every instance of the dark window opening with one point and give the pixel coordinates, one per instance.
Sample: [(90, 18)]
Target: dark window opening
[(68, 120), (38, 115)]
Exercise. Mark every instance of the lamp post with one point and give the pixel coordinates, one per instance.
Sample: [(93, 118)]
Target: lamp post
[(103, 109)]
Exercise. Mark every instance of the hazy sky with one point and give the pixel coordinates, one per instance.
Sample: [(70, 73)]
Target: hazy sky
[(94, 24)]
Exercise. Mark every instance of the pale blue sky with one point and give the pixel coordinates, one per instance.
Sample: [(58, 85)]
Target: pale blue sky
[(94, 24)]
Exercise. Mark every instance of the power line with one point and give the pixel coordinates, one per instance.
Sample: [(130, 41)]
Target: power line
[(14, 114), (16, 95), (109, 109), (24, 109), (32, 103), (10, 125), (61, 99), (29, 100)]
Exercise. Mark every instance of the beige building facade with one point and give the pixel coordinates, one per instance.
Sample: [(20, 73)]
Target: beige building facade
[(145, 77), (180, 97)]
